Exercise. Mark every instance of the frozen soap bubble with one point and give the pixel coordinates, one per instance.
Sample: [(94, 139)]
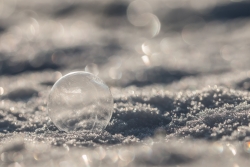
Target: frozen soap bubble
[(80, 101)]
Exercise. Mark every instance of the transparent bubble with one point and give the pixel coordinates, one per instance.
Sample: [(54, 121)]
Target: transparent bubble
[(80, 101)]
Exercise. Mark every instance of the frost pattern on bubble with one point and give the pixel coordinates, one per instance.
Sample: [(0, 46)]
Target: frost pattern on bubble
[(80, 101)]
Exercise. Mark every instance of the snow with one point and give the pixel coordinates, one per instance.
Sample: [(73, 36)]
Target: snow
[(181, 98)]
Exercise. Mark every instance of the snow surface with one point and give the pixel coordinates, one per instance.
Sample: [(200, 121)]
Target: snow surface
[(181, 97)]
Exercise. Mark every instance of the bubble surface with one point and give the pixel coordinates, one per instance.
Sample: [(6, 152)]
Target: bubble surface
[(80, 101)]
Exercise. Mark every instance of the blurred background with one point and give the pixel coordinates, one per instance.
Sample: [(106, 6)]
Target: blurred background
[(124, 42)]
